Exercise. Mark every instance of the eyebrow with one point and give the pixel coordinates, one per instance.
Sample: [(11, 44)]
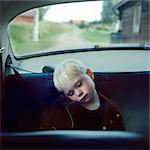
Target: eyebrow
[(77, 82)]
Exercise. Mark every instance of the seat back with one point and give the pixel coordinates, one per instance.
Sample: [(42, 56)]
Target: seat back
[(24, 100), (130, 91)]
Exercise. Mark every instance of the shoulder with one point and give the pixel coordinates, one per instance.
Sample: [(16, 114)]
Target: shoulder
[(109, 104), (111, 110), (113, 119), (54, 116)]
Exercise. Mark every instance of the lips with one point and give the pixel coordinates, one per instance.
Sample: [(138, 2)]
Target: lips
[(84, 99)]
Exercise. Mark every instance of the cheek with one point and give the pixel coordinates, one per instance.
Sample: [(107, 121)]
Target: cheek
[(86, 88), (89, 86)]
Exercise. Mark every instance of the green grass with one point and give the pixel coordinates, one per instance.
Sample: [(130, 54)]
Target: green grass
[(21, 36), (96, 36)]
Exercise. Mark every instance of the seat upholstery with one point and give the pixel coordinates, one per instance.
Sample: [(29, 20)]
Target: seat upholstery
[(24, 100)]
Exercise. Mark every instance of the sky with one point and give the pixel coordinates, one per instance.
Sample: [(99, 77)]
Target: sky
[(89, 11)]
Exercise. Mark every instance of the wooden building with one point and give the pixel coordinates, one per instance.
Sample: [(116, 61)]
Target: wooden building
[(134, 19)]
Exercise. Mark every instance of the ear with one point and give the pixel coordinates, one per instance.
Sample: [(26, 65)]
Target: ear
[(90, 73)]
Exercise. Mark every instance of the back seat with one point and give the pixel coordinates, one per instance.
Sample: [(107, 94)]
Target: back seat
[(130, 91), (24, 100)]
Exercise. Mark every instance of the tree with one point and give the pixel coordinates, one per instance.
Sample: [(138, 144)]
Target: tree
[(42, 11), (107, 14), (35, 35), (38, 15)]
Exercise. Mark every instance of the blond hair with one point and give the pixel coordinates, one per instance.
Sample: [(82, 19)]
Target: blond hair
[(67, 70)]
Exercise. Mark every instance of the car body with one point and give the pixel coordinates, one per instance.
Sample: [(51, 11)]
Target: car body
[(26, 79)]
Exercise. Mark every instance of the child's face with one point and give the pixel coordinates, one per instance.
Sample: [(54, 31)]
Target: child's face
[(81, 88)]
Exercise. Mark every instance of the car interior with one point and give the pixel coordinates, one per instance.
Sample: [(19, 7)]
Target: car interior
[(22, 102), (25, 95)]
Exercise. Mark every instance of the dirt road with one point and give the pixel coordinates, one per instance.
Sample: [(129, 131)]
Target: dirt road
[(70, 40)]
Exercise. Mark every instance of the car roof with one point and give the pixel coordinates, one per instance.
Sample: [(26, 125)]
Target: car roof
[(12, 8)]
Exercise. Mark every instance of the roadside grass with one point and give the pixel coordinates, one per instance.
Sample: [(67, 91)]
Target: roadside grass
[(21, 36), (22, 43), (97, 33), (96, 36)]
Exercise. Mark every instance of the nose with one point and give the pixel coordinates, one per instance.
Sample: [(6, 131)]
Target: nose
[(79, 92)]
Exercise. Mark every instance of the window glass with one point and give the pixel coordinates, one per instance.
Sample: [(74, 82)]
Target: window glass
[(77, 25)]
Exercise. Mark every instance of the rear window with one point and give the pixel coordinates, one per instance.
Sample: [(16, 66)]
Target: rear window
[(79, 25)]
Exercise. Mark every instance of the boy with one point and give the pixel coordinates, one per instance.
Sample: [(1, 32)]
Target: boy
[(81, 106), (89, 108)]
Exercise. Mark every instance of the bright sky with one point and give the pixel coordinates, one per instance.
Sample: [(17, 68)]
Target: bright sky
[(89, 11)]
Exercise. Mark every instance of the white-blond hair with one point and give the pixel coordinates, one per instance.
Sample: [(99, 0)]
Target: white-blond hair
[(67, 70)]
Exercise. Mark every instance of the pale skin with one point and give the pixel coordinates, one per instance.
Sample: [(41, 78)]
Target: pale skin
[(82, 89)]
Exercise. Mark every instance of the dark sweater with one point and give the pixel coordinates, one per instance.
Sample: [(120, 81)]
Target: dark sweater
[(74, 116)]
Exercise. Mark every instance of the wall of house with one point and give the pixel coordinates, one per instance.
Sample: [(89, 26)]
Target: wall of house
[(25, 19), (129, 33), (145, 21)]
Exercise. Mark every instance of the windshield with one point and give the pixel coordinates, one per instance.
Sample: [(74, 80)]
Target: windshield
[(79, 25)]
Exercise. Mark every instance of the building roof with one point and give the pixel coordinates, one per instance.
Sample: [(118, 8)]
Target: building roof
[(120, 4)]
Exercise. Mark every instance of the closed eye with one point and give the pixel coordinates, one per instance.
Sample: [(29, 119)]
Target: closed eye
[(70, 93)]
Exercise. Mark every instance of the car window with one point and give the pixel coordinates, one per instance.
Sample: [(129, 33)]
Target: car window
[(79, 25)]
